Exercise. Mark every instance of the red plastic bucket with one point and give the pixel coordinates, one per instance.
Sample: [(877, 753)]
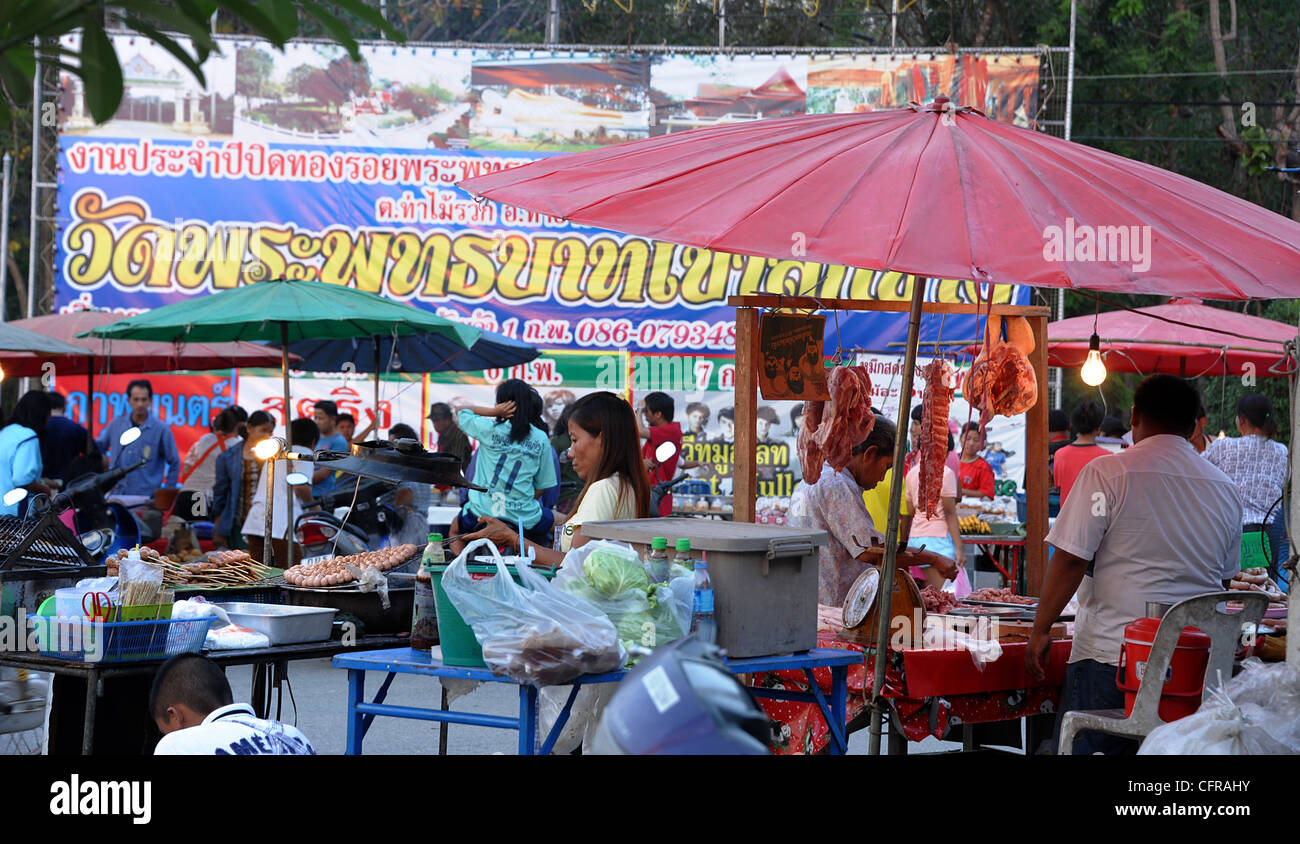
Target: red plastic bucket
[(1184, 681)]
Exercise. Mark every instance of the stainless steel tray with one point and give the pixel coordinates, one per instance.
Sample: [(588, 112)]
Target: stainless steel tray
[(282, 624), (975, 603)]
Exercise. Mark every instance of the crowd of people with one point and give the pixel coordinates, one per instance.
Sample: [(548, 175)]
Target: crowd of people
[(594, 460)]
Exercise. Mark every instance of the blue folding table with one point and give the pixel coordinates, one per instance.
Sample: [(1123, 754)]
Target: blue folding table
[(396, 661)]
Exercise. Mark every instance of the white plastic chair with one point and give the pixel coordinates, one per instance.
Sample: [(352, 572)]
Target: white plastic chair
[(1201, 612)]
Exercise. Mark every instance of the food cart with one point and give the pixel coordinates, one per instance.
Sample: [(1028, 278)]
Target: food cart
[(928, 688)]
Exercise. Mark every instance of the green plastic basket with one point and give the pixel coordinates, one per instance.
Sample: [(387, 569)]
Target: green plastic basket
[(459, 645)]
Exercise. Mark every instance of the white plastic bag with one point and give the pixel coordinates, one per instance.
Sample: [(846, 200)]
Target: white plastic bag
[(584, 715), (535, 632), (1255, 713), (232, 637)]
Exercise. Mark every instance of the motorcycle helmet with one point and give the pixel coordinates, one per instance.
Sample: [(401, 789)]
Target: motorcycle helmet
[(682, 700)]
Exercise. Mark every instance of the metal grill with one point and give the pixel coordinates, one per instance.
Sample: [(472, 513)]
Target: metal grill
[(40, 542)]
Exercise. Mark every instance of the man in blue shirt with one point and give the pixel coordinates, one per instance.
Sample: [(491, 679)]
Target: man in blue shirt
[(164, 464), (325, 414), (62, 441)]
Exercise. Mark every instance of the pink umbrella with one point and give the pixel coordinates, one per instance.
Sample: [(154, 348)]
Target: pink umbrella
[(1200, 340), (934, 191)]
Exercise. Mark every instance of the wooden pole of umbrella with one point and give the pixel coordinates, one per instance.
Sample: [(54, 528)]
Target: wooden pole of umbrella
[(1036, 478), (288, 490)]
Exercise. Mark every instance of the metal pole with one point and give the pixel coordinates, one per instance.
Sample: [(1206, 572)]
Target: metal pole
[(4, 240), (722, 24), (553, 22), (268, 550), (893, 26), (37, 93), (376, 343), (1069, 77), (1057, 376), (885, 593), (288, 440)]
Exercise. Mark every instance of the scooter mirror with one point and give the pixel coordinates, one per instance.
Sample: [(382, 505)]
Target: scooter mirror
[(297, 479), (13, 496), (665, 452), (129, 436)]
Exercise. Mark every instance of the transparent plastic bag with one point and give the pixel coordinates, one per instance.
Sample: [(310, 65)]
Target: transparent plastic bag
[(1255, 713), (533, 632), (646, 616)]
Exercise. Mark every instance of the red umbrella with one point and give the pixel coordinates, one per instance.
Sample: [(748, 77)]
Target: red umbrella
[(130, 355), (1142, 341), (934, 191), (108, 356)]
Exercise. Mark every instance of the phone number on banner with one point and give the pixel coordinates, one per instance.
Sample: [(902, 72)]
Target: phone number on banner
[(656, 333)]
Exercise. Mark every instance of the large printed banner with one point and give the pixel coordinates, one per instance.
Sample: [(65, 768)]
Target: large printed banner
[(185, 403), (308, 165)]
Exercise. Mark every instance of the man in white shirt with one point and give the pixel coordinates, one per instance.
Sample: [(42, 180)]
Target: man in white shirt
[(834, 504), (193, 706), (1153, 523)]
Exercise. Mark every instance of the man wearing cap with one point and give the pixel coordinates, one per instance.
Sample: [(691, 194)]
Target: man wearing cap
[(451, 439)]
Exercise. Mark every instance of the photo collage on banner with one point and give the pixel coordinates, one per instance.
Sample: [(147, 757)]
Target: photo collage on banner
[(307, 165)]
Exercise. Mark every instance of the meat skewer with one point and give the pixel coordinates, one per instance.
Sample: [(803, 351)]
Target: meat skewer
[(851, 417), (940, 384)]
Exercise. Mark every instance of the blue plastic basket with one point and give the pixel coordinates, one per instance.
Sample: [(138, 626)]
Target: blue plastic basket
[(80, 640)]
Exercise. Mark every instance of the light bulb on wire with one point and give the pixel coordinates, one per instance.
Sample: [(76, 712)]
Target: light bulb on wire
[(1093, 372)]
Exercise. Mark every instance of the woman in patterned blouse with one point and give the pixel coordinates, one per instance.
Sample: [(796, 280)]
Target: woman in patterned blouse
[(1257, 465)]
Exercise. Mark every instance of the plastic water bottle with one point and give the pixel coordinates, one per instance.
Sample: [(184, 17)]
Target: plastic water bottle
[(702, 624), (683, 557), (424, 613), (657, 563)]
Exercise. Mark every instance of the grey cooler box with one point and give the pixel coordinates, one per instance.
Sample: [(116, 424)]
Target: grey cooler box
[(764, 577)]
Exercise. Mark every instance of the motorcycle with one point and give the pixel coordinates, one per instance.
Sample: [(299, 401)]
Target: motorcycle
[(366, 527), (663, 453), (104, 527)]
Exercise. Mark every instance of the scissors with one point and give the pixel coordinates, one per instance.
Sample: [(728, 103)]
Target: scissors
[(99, 608)]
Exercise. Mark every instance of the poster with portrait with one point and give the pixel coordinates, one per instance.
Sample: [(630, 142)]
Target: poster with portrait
[(793, 364)]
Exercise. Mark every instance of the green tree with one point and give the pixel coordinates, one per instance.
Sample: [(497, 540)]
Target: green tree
[(22, 22), (253, 72)]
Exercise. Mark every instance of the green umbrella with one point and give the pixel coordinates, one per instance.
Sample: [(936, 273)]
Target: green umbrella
[(15, 339), (284, 311)]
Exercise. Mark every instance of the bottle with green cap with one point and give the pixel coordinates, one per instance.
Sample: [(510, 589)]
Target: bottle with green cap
[(657, 564), (683, 557), (424, 613)]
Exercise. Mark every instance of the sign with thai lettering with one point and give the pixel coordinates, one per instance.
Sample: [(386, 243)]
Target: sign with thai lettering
[(307, 165)]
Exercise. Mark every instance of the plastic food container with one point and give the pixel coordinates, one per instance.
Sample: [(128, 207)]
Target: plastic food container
[(283, 625)]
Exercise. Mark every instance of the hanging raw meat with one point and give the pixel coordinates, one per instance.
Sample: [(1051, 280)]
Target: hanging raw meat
[(832, 441), (810, 454), (940, 384), (1002, 381), (851, 417)]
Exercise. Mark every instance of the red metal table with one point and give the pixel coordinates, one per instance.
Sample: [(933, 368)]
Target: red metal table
[(929, 691), (1016, 551)]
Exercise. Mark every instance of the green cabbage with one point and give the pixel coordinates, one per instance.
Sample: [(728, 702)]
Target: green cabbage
[(610, 574)]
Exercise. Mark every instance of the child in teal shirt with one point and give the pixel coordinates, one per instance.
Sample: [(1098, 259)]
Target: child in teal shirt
[(513, 463)]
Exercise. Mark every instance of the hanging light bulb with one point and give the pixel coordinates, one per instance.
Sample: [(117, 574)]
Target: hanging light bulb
[(1094, 370), (2, 373)]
